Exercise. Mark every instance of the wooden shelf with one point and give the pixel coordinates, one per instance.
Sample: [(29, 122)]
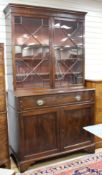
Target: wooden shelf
[(32, 74), (34, 46), (29, 58)]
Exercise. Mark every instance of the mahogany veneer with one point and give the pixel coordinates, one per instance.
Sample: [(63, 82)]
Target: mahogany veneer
[(48, 105), (4, 148), (97, 84)]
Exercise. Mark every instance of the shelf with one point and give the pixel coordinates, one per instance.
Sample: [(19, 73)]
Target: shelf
[(68, 73), (46, 59), (63, 47), (29, 58), (36, 46), (44, 74), (69, 59), (26, 75)]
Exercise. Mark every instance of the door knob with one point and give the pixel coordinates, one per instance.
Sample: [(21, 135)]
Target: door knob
[(40, 102), (78, 97)]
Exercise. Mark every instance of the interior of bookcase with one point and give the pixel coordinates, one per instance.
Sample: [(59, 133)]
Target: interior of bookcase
[(46, 50)]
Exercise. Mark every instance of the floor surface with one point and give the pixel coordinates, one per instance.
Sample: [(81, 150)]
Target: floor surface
[(53, 160)]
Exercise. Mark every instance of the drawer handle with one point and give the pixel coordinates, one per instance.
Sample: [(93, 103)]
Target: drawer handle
[(40, 102), (78, 97)]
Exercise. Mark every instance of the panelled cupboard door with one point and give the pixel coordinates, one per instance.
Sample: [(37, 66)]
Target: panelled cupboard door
[(73, 119), (40, 133)]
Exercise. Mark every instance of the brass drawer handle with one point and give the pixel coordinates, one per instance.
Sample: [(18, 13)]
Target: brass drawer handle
[(78, 97), (40, 102)]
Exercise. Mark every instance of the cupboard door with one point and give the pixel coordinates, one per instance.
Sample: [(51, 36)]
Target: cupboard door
[(40, 133), (73, 119)]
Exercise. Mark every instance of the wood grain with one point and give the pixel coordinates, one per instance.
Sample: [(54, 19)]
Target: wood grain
[(98, 106), (4, 148)]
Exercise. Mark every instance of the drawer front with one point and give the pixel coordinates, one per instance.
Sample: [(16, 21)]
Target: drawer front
[(3, 137), (55, 99)]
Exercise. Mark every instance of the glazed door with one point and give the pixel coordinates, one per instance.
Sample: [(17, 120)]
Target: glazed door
[(32, 52), (40, 135), (73, 119), (68, 44), (48, 52)]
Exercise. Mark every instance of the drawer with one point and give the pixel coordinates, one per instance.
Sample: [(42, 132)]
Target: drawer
[(55, 99)]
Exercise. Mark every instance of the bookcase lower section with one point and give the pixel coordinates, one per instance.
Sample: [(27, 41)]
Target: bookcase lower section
[(47, 131)]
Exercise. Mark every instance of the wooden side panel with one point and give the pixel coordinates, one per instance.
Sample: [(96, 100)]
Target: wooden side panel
[(3, 137), (4, 150), (98, 107), (2, 70)]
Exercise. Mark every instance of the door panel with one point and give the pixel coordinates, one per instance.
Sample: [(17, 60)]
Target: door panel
[(40, 133), (74, 118), (32, 52), (68, 52)]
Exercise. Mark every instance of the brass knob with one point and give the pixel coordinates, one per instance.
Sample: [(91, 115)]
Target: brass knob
[(78, 97), (40, 102)]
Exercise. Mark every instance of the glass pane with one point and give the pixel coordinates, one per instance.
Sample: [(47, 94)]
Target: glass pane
[(32, 52), (68, 50)]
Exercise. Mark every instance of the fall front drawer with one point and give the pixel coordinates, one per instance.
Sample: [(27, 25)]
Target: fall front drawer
[(38, 101)]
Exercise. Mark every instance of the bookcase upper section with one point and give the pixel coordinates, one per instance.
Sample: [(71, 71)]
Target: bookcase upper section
[(47, 47)]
